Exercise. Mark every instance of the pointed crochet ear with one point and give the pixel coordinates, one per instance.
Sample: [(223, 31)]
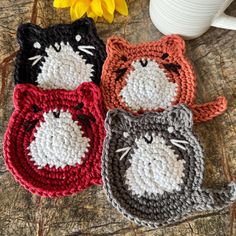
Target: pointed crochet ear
[(116, 44), (28, 34), (173, 44), (118, 120), (25, 94), (84, 26), (90, 93), (180, 116)]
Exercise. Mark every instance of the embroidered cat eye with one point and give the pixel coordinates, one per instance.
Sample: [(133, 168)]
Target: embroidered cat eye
[(79, 106), (78, 37), (124, 58), (125, 134), (35, 108), (170, 129), (164, 56), (37, 45)]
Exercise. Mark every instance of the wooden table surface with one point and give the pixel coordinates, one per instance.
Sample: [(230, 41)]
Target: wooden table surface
[(89, 213)]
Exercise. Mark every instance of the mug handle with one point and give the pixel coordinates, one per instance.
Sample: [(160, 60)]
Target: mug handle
[(224, 21)]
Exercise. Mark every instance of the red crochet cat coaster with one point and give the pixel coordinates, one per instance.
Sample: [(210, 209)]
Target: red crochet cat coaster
[(53, 142), (152, 77)]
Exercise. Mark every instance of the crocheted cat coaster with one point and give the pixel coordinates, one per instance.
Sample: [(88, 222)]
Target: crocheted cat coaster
[(151, 77), (61, 56), (152, 168), (53, 143)]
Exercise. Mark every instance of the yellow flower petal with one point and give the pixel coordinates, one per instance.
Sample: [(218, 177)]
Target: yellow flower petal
[(121, 7), (62, 3), (96, 7), (107, 15), (91, 14), (81, 7), (109, 5)]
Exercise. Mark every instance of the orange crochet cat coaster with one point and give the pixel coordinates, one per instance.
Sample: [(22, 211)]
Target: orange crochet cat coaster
[(53, 143), (151, 77)]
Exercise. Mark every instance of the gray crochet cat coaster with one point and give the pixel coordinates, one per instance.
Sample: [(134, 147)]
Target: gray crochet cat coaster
[(152, 168)]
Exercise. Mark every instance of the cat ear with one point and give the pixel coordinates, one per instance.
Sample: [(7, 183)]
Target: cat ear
[(29, 34), (84, 26), (118, 120), (25, 94), (180, 116), (173, 44), (90, 94), (117, 44)]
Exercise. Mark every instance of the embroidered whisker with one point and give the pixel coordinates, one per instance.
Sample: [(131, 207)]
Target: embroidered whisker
[(86, 119), (85, 49), (172, 67), (120, 72), (35, 59), (178, 143), (180, 146), (30, 125), (125, 150)]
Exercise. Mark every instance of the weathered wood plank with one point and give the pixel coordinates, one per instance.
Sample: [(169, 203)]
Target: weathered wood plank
[(89, 213)]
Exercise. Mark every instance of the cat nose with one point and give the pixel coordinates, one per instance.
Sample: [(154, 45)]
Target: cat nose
[(143, 62), (57, 47), (56, 114), (148, 140)]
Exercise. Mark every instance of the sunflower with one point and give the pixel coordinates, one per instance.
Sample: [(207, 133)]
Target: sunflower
[(93, 8)]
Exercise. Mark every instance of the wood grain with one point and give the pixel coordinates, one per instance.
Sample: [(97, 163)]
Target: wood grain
[(89, 213)]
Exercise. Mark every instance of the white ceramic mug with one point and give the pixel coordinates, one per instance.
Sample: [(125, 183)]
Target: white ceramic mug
[(190, 18)]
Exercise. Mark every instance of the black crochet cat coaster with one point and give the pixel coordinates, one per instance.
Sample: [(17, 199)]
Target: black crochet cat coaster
[(60, 56), (152, 168)]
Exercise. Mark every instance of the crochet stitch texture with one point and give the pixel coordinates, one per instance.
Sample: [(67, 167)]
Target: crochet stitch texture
[(53, 143), (60, 56), (152, 77), (152, 168)]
